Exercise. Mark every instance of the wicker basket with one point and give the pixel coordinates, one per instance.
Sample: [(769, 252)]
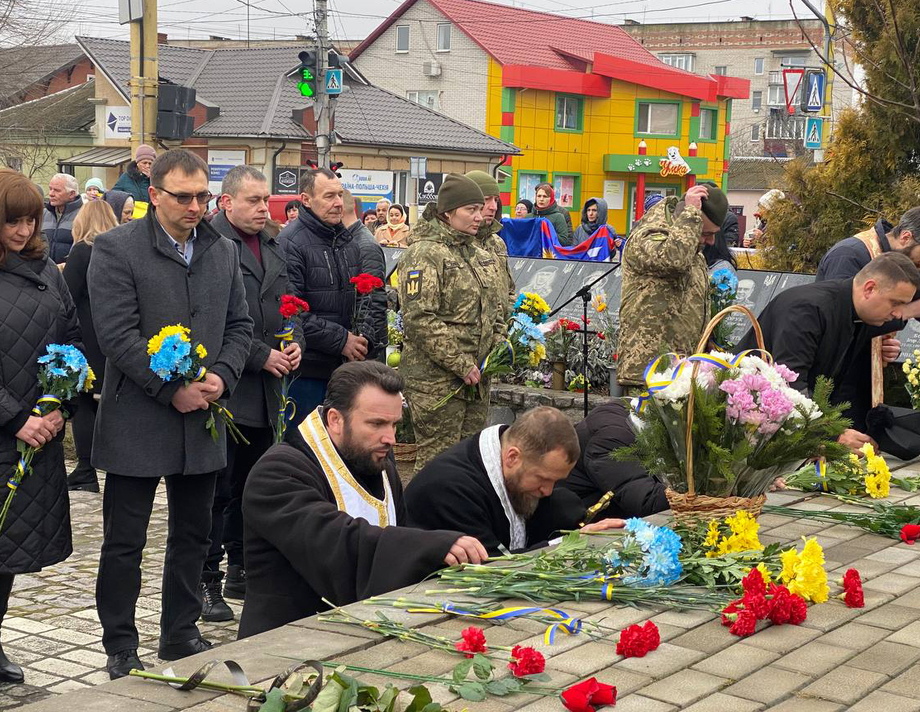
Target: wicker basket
[(690, 507), (405, 452)]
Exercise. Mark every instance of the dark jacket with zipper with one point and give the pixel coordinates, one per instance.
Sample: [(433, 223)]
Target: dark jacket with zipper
[(373, 262), (57, 228), (35, 310), (257, 396), (138, 283), (321, 260), (135, 183)]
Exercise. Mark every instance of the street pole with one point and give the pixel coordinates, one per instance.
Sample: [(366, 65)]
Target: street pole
[(830, 27), (144, 77), (321, 105)]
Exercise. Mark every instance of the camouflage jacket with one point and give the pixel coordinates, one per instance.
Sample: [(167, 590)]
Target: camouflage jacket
[(452, 318), (664, 305), (488, 239)]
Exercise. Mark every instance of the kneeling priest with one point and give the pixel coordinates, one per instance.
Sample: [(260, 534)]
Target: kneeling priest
[(324, 516), (500, 485)]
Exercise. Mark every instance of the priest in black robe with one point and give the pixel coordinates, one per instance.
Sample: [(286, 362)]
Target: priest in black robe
[(817, 329), (324, 517), (500, 486)]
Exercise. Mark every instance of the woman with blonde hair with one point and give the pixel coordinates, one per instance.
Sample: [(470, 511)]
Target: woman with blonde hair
[(94, 218), (35, 310)]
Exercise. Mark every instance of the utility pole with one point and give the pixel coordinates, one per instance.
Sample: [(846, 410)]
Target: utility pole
[(144, 76), (830, 28), (322, 105)]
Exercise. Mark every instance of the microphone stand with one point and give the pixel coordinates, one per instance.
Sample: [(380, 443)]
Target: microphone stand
[(585, 294)]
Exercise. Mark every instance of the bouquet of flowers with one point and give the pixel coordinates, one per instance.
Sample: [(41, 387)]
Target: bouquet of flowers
[(525, 345), (578, 384), (560, 338), (533, 305), (63, 372), (723, 289), (748, 425), (395, 332), (173, 356), (646, 556), (365, 284), (911, 368), (853, 475), (290, 307)]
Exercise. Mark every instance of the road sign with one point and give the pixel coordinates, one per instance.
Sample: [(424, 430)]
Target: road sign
[(813, 97), (333, 81), (814, 131)]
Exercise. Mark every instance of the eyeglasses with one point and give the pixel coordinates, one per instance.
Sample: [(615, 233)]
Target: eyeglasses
[(186, 198)]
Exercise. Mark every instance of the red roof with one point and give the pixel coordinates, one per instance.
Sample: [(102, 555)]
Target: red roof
[(516, 36), (518, 39)]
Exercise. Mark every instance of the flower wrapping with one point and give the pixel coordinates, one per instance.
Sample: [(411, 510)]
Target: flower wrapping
[(365, 284), (63, 373)]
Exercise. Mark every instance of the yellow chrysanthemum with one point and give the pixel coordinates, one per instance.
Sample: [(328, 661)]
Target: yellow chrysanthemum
[(600, 306), (201, 351), (712, 534), (804, 573), (90, 380), (157, 341), (537, 355), (906, 366), (789, 559)]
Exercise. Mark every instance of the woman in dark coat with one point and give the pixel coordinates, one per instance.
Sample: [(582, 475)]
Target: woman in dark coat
[(545, 206), (35, 310), (94, 218)]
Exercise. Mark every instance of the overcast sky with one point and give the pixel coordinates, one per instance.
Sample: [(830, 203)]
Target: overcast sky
[(354, 19)]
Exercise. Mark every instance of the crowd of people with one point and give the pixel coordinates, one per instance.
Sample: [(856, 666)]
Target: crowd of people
[(322, 516)]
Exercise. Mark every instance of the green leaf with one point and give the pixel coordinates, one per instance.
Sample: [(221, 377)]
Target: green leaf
[(387, 701), (471, 691), (504, 686), (462, 670), (329, 696), (274, 701), (482, 666), (537, 677), (421, 698)]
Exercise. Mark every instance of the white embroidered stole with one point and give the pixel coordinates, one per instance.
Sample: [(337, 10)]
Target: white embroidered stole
[(490, 448)]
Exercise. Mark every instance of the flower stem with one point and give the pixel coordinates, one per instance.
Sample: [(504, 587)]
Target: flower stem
[(246, 691)]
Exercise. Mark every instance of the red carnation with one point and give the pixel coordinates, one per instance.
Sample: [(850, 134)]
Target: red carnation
[(292, 306), (582, 696), (781, 600), (757, 604), (600, 335), (744, 624), (636, 641), (754, 583), (853, 590), (366, 283), (526, 661), (474, 641), (729, 613), (652, 636), (799, 610), (910, 533)]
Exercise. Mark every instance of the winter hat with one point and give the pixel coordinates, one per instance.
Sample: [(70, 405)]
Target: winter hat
[(457, 191), (117, 199), (526, 203), (144, 151), (651, 201), (487, 184), (94, 183), (715, 206)]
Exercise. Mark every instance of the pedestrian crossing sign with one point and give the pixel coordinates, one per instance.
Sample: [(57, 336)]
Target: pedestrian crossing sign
[(333, 81), (815, 82), (814, 132)]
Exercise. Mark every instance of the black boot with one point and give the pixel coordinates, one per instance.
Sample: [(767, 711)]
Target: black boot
[(214, 608), (83, 478), (9, 671), (122, 663), (235, 585)]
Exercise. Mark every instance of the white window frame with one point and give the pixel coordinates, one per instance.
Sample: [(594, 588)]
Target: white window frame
[(756, 100), (714, 127), (783, 127), (793, 60), (755, 132), (577, 104), (399, 29), (776, 77), (776, 96), (680, 61), (724, 72), (424, 98), (647, 131), (443, 26), (759, 63)]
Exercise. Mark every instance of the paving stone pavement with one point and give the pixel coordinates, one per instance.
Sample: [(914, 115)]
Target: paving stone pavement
[(840, 658), (52, 629)]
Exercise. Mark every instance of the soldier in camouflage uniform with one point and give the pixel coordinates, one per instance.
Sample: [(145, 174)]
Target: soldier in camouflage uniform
[(664, 305), (488, 238), (452, 297)]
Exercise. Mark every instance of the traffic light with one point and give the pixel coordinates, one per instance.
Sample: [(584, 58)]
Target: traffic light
[(307, 78)]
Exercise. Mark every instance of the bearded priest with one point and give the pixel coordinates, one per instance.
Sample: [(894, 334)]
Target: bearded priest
[(324, 516), (500, 485)]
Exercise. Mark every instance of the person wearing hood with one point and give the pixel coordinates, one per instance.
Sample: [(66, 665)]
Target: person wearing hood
[(546, 207), (122, 205), (396, 230), (593, 216), (451, 318), (136, 180), (64, 202)]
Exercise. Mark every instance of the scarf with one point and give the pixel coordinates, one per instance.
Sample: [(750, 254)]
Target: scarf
[(350, 496), (490, 448)]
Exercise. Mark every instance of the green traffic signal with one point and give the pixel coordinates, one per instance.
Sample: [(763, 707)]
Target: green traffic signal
[(306, 84)]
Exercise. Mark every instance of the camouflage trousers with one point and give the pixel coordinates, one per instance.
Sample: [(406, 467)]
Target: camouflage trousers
[(438, 429)]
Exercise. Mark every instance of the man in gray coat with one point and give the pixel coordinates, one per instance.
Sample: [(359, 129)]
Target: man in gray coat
[(169, 268), (257, 398)]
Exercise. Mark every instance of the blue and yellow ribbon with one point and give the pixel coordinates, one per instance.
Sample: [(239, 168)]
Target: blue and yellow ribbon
[(566, 623), (821, 471), (202, 372), (286, 334), (508, 345), (44, 400), (656, 381)]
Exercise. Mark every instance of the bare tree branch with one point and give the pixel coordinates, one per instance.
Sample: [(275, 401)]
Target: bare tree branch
[(853, 202)]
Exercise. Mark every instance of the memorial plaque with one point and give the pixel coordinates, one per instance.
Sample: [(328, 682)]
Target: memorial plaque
[(755, 290), (608, 288), (909, 337), (391, 256), (548, 278)]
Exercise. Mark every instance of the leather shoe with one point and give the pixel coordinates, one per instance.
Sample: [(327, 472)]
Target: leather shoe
[(235, 583), (83, 479), (176, 651), (123, 662), (214, 608), (9, 671)]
